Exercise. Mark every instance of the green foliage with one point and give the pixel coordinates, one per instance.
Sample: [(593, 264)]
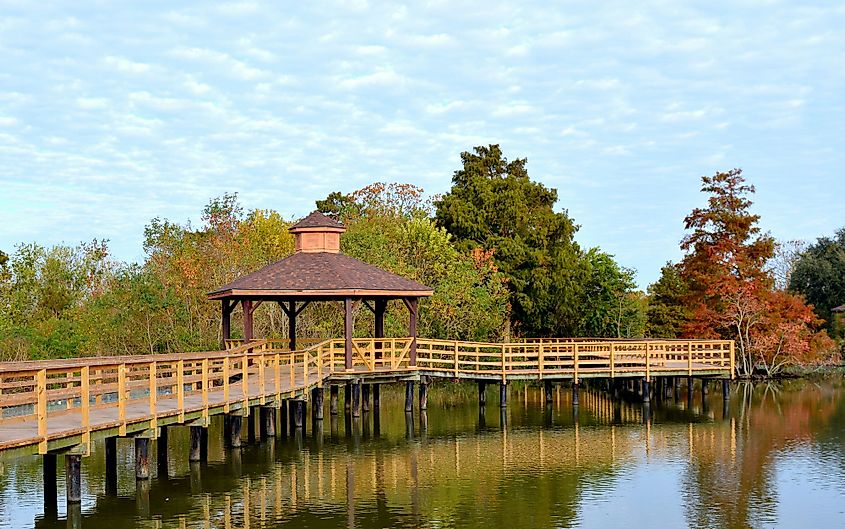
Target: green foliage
[(556, 289), (667, 313), (819, 275)]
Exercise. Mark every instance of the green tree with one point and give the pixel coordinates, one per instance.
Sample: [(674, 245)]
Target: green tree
[(819, 276), (494, 205), (667, 312)]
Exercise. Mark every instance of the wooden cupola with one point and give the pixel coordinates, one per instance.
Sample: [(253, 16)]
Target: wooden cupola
[(317, 233)]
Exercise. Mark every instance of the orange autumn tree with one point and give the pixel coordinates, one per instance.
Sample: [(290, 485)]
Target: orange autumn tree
[(730, 291)]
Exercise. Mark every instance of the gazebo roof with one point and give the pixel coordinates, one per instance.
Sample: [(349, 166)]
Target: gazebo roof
[(319, 270)]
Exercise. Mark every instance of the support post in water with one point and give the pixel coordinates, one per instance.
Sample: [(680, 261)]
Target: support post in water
[(547, 389), (726, 389), (365, 397), (111, 465), (333, 394), (356, 398), (409, 396), (299, 413), (51, 492), (423, 393), (503, 394), (232, 432), (252, 424), (317, 404), (646, 390), (482, 393), (347, 398), (197, 439), (575, 391), (73, 477), (161, 452), (268, 422), (376, 397), (142, 458)]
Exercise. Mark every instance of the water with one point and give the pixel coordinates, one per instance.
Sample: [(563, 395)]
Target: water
[(775, 459)]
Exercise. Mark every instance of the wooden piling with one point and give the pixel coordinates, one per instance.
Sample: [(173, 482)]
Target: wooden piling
[(298, 413), (575, 391), (195, 452), (111, 465), (376, 397), (48, 462), (409, 396), (423, 393), (482, 393), (142, 458), (73, 477), (646, 385), (503, 394), (547, 389), (161, 452), (317, 404), (726, 389), (356, 398), (282, 425), (252, 425), (333, 393), (347, 398), (233, 430), (365, 397), (268, 422)]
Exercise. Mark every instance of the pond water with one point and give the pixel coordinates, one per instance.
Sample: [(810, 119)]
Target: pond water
[(775, 457)]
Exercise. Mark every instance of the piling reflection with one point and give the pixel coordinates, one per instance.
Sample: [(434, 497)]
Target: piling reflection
[(545, 465)]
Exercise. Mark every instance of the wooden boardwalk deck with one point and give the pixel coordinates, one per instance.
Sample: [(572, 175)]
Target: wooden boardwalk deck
[(61, 405)]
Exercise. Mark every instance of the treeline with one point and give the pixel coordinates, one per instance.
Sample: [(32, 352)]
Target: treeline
[(502, 261)]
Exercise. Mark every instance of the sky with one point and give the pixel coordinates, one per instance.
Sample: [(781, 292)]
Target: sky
[(114, 113)]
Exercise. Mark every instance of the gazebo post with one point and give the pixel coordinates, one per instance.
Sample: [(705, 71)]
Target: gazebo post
[(411, 303), (380, 309), (347, 332), (226, 321), (292, 325), (246, 305)]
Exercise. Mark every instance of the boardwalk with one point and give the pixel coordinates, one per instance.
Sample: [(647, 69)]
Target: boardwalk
[(53, 406)]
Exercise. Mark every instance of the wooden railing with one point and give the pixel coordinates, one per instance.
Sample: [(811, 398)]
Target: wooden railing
[(48, 391)]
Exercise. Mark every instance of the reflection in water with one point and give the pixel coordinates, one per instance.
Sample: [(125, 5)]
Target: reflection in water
[(607, 462)]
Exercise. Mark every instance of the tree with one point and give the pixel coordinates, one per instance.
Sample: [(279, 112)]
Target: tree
[(819, 276), (728, 288), (667, 313), (494, 206)]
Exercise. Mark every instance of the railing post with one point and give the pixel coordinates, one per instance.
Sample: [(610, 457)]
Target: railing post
[(277, 375), (504, 364), (320, 362), (647, 362), (121, 399), (292, 364), (575, 360), (261, 386), (153, 382), (305, 367), (689, 359), (205, 390), (180, 391), (226, 360), (245, 381), (41, 411), (612, 360), (540, 357), (733, 360), (456, 358), (85, 403)]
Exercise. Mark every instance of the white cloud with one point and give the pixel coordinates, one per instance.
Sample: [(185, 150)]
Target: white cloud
[(125, 65), (225, 62)]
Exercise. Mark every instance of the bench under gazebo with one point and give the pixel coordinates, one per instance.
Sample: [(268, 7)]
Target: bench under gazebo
[(318, 271)]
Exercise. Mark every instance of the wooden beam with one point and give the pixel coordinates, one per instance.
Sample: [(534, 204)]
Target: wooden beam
[(246, 305), (411, 303), (347, 332), (292, 313)]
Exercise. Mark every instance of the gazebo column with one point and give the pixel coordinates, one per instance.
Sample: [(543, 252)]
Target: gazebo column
[(411, 303), (347, 332), (292, 324), (226, 321), (246, 305)]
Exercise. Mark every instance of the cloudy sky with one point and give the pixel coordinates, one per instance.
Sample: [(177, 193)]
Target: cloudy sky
[(113, 114)]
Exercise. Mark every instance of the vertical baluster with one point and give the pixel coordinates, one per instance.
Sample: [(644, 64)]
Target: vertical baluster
[(226, 361), (180, 389), (205, 390), (85, 404), (121, 399), (153, 376), (41, 411)]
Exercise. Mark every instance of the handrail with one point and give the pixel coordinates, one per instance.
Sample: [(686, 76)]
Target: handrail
[(256, 371)]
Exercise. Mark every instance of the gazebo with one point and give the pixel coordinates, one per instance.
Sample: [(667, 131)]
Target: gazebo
[(317, 271)]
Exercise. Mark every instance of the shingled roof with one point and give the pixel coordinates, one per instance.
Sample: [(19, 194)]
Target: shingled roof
[(317, 220)]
